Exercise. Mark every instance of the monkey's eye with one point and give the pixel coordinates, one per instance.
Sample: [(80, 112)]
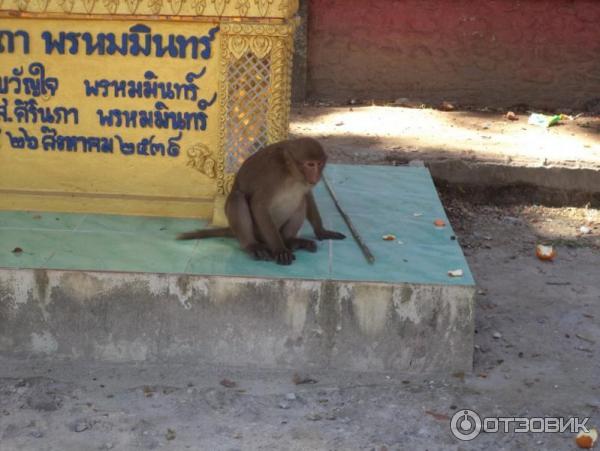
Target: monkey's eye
[(310, 164)]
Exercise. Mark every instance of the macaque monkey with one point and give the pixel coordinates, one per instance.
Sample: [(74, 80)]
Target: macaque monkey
[(270, 199)]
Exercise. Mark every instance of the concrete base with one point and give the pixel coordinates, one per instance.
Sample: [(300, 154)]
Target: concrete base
[(238, 321)]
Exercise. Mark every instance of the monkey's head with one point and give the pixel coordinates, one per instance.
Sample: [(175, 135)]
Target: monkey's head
[(309, 158)]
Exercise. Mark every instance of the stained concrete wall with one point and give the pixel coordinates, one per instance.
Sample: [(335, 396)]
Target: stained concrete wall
[(545, 53), (239, 321)]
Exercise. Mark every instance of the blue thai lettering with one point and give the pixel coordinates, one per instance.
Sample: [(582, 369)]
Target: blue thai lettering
[(125, 147), (4, 117), (28, 111), (24, 141), (134, 38), (147, 89), (204, 104), (139, 40), (7, 41), (173, 149), (59, 44), (91, 47)]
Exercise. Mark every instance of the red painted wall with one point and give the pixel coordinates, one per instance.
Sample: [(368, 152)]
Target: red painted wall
[(545, 53)]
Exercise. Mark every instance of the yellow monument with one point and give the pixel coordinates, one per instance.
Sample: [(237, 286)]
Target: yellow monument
[(141, 107)]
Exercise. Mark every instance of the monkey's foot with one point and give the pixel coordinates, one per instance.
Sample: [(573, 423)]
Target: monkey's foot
[(329, 235), (301, 243), (259, 251), (284, 257)]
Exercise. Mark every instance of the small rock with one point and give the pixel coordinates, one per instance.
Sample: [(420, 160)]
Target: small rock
[(17, 251), (447, 106), (36, 434), (170, 435), (314, 417), (290, 396), (585, 230), (511, 116), (228, 383), (284, 405), (81, 426), (303, 379), (497, 335)]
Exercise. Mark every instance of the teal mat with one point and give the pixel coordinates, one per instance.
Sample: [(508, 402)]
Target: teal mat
[(380, 200)]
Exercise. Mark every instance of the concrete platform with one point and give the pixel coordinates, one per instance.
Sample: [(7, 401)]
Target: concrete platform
[(121, 288)]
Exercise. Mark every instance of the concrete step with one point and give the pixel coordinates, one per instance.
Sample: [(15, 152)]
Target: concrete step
[(122, 289)]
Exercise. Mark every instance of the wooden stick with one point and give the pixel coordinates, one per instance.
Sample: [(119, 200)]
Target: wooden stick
[(363, 247)]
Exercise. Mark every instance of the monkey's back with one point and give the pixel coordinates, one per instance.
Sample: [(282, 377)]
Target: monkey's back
[(264, 168)]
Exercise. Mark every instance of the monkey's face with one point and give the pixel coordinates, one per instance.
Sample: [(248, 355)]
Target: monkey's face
[(312, 170)]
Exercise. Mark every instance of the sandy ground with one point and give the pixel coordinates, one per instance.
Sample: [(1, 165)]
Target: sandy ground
[(537, 342), (380, 134), (536, 354)]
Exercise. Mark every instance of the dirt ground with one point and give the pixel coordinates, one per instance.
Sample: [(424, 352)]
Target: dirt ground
[(536, 344), (536, 354), (385, 134)]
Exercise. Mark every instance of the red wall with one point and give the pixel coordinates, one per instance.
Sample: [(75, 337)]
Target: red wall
[(545, 53)]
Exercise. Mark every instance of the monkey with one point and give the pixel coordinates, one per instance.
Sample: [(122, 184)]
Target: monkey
[(270, 198)]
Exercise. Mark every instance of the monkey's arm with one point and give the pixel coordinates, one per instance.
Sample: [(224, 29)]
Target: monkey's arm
[(313, 216)]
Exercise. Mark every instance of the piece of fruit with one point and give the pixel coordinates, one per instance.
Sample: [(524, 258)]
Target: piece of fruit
[(389, 237), (545, 252), (439, 223), (587, 440)]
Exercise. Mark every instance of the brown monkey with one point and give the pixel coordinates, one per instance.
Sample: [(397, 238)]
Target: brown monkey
[(270, 199)]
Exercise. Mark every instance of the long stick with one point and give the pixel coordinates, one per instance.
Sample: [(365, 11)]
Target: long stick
[(365, 249)]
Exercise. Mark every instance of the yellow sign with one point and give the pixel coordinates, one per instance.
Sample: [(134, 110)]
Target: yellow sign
[(109, 116)]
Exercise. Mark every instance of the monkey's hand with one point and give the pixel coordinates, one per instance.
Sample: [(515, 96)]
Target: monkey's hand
[(302, 243), (284, 257), (258, 251), (329, 235)]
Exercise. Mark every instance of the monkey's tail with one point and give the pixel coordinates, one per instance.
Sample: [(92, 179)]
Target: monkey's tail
[(206, 233)]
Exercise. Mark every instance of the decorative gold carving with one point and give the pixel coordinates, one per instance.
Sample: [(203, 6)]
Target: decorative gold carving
[(67, 5), (200, 158), (263, 6), (42, 5), (22, 5), (242, 7), (155, 6), (228, 183), (271, 9), (111, 5), (133, 5), (273, 44), (89, 5), (199, 6), (176, 6), (261, 45), (220, 6), (289, 7), (238, 46)]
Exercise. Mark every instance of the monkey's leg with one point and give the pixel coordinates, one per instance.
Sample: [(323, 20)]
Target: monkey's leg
[(290, 230), (268, 232), (240, 222)]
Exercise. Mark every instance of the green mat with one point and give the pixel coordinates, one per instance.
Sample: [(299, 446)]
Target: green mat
[(380, 200)]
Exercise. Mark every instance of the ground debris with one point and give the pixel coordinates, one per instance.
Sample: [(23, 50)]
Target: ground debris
[(299, 379), (228, 383)]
